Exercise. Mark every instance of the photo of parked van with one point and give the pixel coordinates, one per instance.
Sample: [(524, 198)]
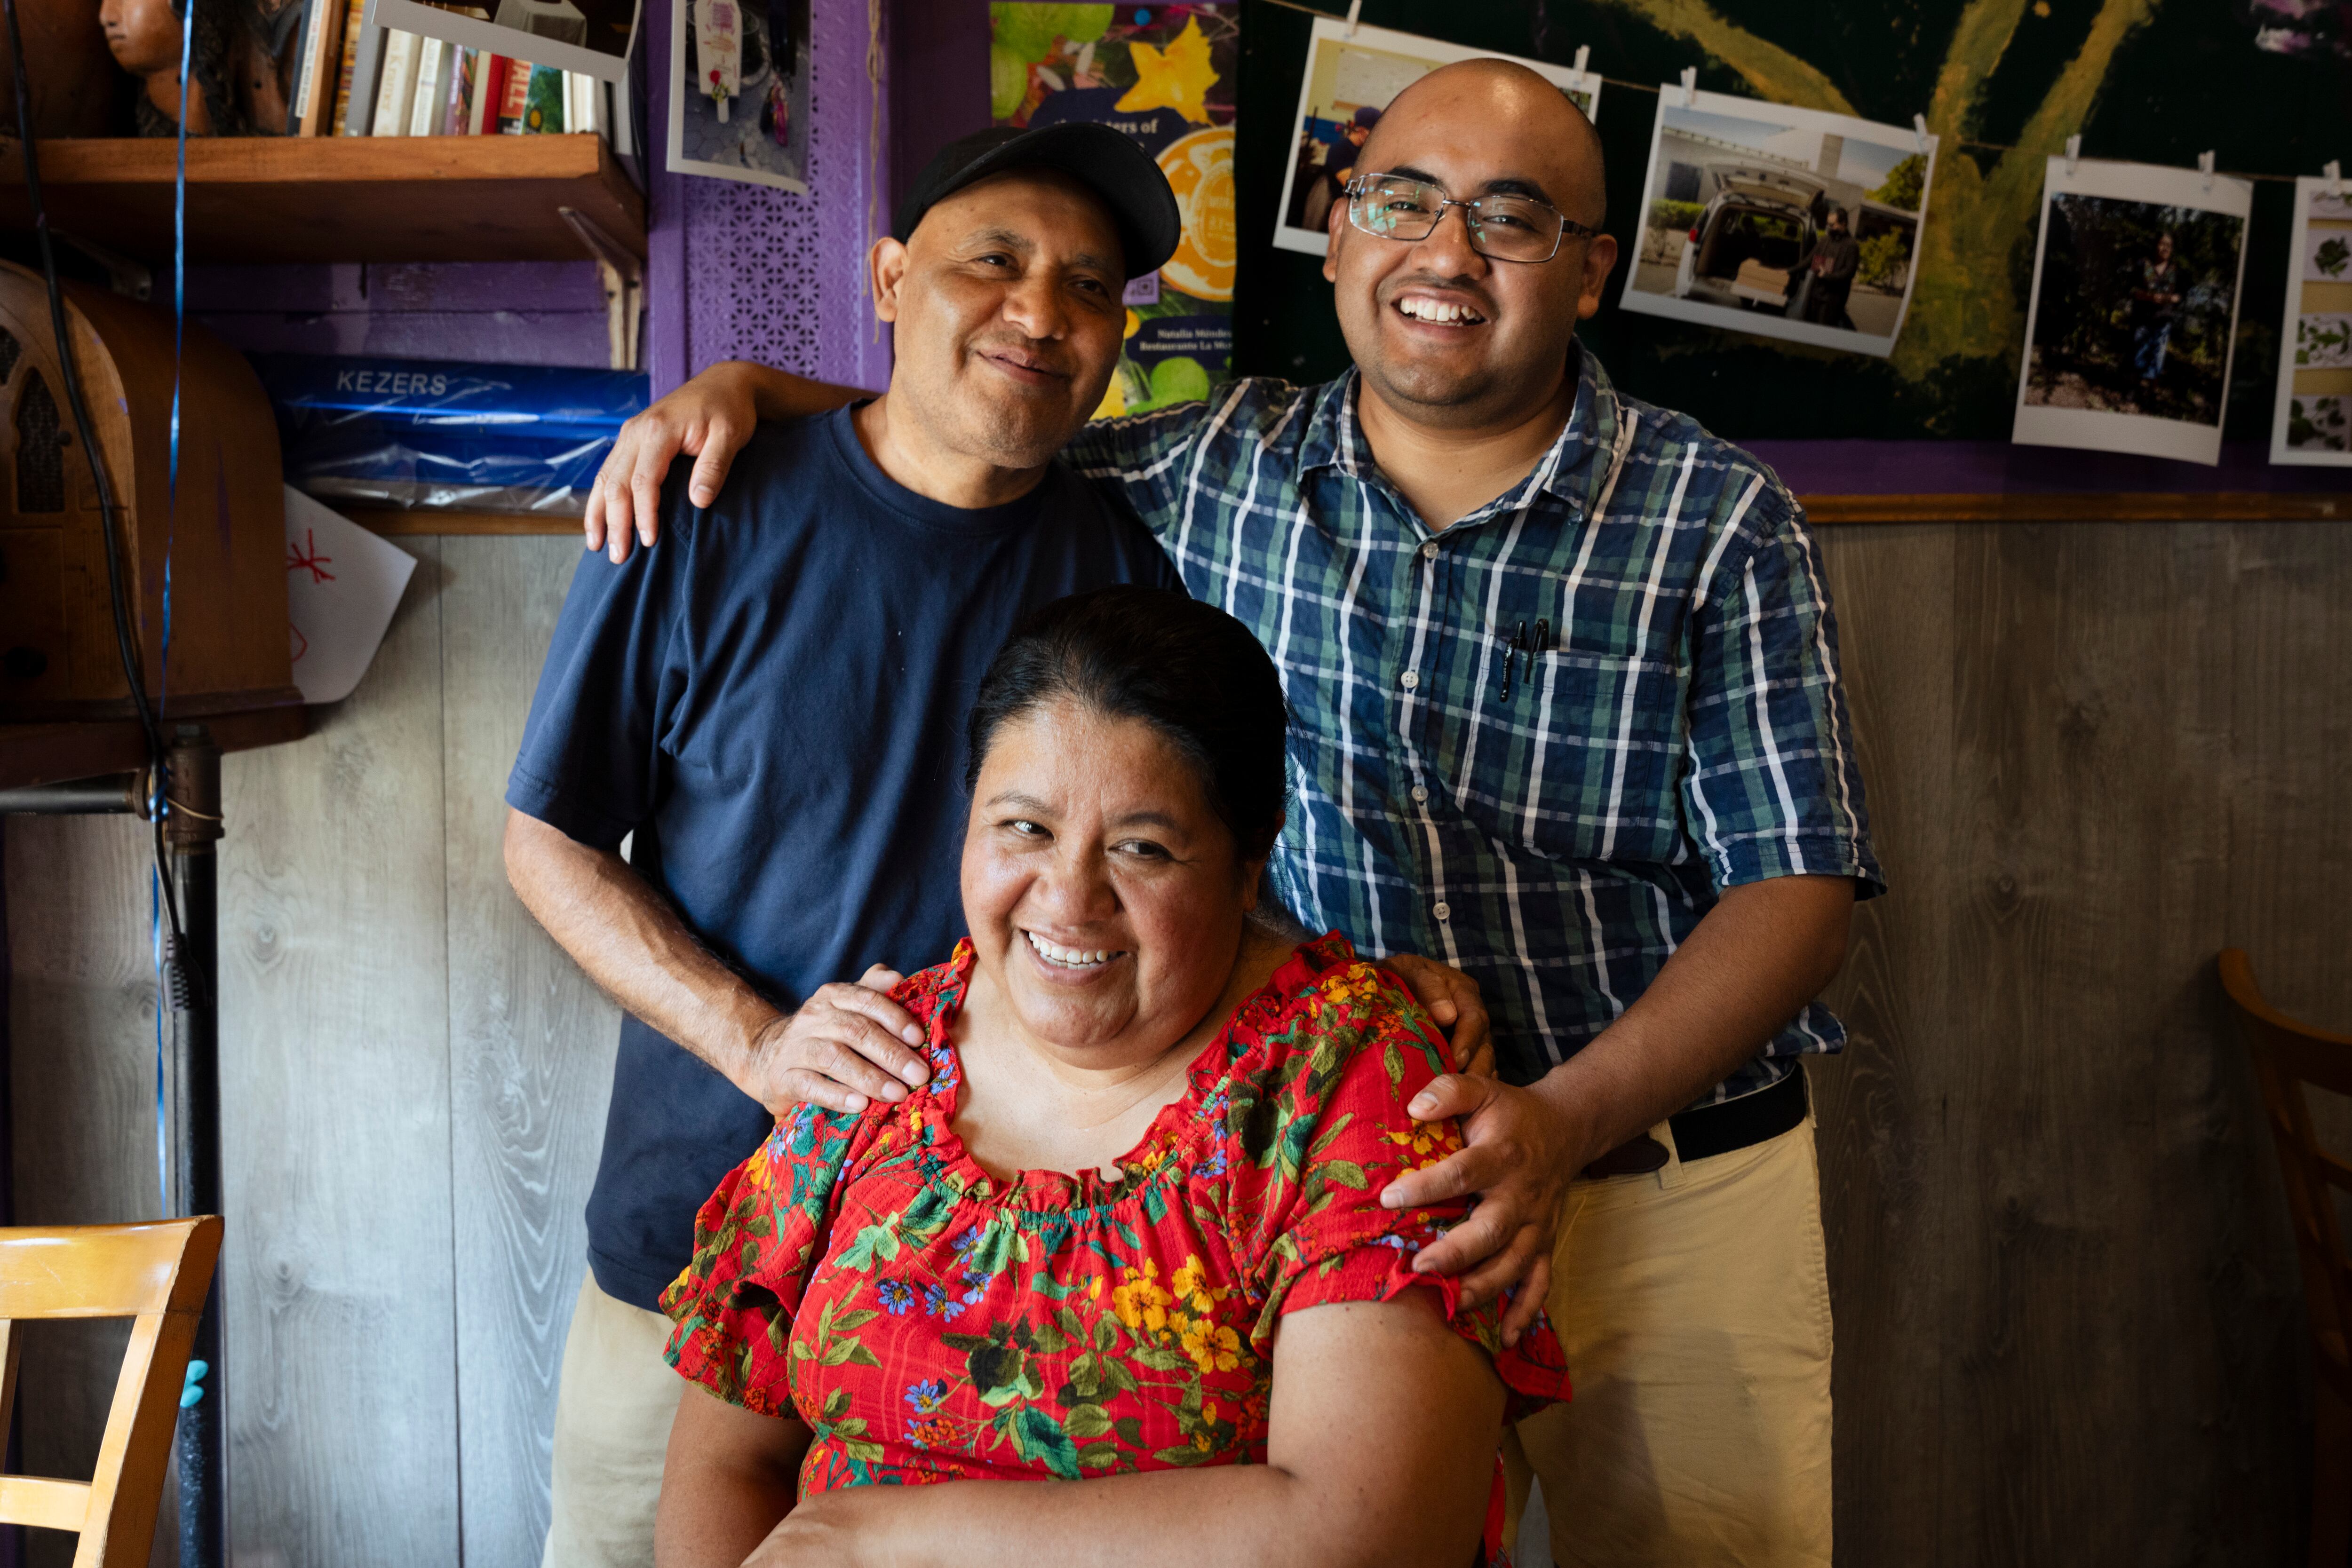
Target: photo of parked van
[(1800, 225)]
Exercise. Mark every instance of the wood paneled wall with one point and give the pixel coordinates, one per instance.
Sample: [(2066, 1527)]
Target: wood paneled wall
[(413, 1097), (2069, 1326)]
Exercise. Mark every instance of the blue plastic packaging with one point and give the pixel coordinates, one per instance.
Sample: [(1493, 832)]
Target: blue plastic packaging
[(427, 435)]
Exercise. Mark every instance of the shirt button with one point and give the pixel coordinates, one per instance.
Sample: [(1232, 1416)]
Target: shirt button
[(1411, 679), (1443, 912), (1429, 550), (1420, 793)]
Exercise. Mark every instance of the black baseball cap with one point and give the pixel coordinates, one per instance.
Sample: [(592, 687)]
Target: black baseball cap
[(1106, 162)]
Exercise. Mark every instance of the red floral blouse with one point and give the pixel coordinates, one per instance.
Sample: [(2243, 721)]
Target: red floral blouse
[(928, 1322)]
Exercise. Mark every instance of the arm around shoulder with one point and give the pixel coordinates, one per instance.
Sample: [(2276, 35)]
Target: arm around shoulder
[(709, 419)]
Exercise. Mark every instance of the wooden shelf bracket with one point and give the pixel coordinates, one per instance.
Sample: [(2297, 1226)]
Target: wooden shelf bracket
[(625, 285)]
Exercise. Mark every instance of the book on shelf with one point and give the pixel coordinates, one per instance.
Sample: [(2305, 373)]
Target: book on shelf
[(426, 103), (586, 107), (316, 68), (395, 95), (507, 114), (489, 87), (543, 101), (461, 90), (347, 32)]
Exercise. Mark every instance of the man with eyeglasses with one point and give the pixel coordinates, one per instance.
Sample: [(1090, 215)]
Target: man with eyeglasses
[(1567, 715)]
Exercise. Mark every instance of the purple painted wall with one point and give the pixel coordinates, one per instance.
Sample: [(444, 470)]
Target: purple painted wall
[(743, 271), (938, 81), (522, 312), (1995, 467)]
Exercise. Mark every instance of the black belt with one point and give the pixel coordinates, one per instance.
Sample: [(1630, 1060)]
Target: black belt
[(1712, 1130)]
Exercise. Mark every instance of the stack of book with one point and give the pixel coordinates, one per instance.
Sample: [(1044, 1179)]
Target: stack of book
[(431, 86)]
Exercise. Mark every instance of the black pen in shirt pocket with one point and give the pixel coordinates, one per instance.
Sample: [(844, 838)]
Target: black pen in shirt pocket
[(1523, 649)]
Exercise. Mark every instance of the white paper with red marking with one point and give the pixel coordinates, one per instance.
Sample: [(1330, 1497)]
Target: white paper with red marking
[(342, 584)]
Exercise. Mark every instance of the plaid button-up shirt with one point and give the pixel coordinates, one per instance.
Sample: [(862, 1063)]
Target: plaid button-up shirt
[(1552, 819)]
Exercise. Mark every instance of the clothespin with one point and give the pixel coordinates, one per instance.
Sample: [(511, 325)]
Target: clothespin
[(1919, 129), (1690, 84), (2074, 154), (1355, 10), (2205, 167), (2335, 172), (1583, 53)]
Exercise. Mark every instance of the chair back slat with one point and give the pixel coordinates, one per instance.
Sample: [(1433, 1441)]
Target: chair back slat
[(2287, 1056), (157, 1275), (44, 1504), (2335, 1171), (90, 1270)]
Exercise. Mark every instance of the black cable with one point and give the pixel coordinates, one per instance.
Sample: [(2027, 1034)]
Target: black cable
[(107, 508)]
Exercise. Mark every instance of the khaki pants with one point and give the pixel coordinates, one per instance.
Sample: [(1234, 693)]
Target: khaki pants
[(1694, 1304), (612, 1412)]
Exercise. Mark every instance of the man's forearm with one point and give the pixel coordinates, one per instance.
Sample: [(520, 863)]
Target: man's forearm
[(1755, 960), (633, 944)]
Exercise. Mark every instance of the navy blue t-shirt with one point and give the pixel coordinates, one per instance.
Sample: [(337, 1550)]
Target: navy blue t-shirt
[(772, 699)]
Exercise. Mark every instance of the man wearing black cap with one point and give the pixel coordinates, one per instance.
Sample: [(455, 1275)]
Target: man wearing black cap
[(840, 602)]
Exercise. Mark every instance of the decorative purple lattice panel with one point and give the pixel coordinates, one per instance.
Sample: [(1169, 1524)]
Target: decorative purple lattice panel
[(777, 277)]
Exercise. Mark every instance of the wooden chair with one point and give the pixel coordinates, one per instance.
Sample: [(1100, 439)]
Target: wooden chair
[(155, 1273), (2287, 1055)]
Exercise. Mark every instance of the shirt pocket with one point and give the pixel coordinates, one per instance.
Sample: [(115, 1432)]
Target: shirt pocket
[(1578, 757)]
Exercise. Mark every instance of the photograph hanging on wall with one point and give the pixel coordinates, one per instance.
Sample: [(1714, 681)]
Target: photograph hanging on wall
[(589, 38), (738, 108), (2133, 312), (1350, 80), (1787, 223), (1165, 76), (2313, 423)]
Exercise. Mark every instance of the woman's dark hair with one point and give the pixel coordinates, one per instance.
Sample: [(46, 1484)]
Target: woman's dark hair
[(1189, 670)]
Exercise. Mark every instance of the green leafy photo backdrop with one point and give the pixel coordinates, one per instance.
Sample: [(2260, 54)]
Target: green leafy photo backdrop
[(2149, 80)]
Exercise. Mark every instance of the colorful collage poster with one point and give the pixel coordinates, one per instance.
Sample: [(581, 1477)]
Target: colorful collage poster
[(2314, 420), (1164, 75)]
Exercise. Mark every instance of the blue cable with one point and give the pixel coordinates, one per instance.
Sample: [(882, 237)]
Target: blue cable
[(158, 802)]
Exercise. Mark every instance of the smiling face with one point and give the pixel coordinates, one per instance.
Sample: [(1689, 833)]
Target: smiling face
[(1444, 335), (1006, 301), (1106, 898)]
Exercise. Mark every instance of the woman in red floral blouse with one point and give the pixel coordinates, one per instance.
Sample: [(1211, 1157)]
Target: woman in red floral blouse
[(1130, 1233)]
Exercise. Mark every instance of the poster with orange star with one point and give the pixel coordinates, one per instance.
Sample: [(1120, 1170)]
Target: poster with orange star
[(1164, 75)]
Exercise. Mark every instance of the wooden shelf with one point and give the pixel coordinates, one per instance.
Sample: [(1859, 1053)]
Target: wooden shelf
[(2086, 506), (51, 753), (334, 198)]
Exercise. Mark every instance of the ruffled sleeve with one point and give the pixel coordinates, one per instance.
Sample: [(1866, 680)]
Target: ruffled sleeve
[(756, 1242), (1326, 1135)]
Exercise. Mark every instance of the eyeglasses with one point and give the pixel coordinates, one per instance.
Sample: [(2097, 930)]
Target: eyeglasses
[(1508, 228)]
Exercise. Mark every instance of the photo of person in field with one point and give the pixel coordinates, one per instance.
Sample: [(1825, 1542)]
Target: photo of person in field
[(2133, 308)]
